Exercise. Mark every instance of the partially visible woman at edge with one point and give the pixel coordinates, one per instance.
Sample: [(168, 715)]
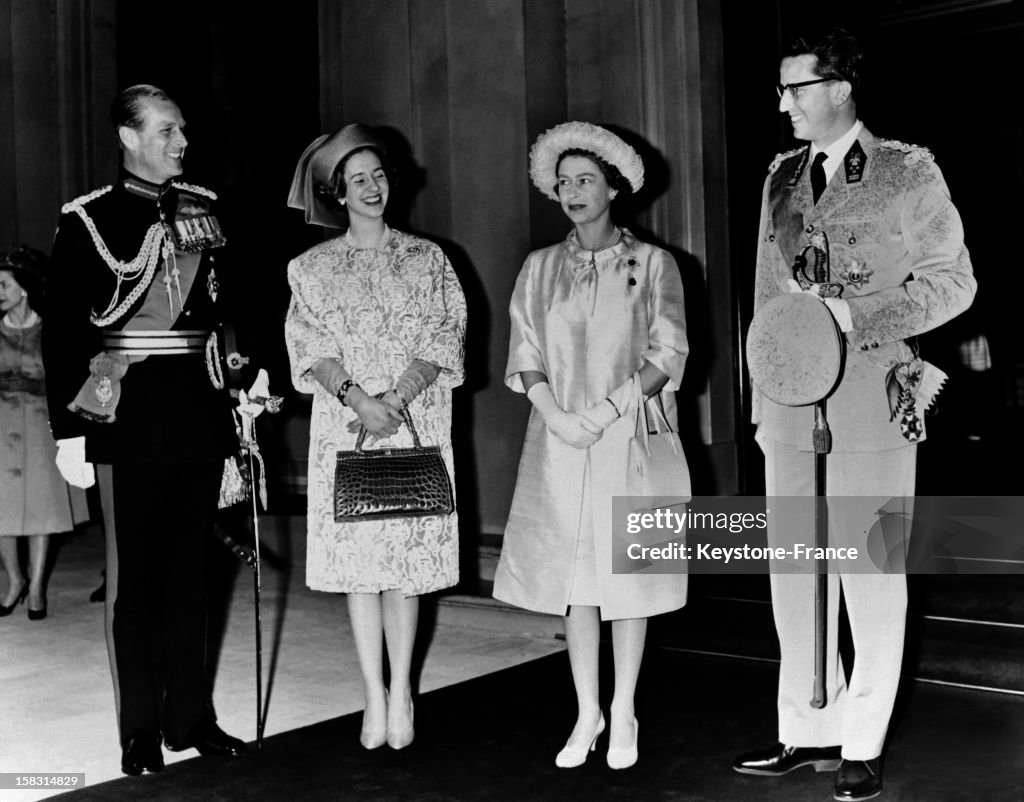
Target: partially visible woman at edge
[(376, 322), (34, 498), (588, 313)]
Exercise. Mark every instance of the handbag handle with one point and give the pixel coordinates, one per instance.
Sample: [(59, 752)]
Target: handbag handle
[(406, 417), (661, 423)]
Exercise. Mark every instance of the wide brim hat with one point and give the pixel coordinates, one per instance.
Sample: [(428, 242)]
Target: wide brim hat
[(550, 146), (795, 351), (318, 163)]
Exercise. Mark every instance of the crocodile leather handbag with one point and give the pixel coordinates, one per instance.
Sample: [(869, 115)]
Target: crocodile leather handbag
[(391, 482)]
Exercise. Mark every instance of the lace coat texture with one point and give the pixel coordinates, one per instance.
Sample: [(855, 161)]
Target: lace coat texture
[(375, 310)]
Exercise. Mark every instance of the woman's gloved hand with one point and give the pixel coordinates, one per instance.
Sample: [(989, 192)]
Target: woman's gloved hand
[(377, 417), (569, 427)]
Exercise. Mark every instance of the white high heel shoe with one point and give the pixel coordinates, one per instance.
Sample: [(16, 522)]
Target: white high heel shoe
[(572, 756), (619, 758), (401, 739), (371, 739)]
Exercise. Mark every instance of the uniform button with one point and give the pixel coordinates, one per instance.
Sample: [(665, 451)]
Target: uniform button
[(852, 240), (771, 238), (864, 347), (809, 229)]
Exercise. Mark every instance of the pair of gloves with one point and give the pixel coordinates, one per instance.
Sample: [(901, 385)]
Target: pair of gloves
[(580, 429), (71, 450)]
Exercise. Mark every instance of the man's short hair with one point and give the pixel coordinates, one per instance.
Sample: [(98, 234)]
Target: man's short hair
[(126, 110), (838, 53)]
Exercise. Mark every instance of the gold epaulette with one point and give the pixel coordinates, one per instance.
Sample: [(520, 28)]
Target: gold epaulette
[(915, 153), (781, 157), (195, 189), (79, 202)]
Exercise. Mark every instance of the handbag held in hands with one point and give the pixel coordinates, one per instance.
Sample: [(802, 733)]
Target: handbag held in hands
[(391, 482), (656, 467)]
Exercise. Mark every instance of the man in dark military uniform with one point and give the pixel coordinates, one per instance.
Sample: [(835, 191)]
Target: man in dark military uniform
[(133, 303), (897, 249)]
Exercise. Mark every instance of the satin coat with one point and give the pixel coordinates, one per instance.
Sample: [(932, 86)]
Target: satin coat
[(897, 247), (588, 329)]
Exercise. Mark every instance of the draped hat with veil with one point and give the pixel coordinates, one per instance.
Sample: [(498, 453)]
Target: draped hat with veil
[(317, 165)]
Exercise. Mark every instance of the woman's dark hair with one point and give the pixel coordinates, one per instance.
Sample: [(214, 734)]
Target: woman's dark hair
[(616, 180), (126, 109), (27, 266), (334, 190), (838, 53)]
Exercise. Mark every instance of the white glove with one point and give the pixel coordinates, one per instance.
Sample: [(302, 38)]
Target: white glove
[(71, 462), (602, 414), (260, 390), (839, 308), (571, 428)]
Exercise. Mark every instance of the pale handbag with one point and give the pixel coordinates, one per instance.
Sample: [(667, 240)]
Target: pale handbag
[(656, 468)]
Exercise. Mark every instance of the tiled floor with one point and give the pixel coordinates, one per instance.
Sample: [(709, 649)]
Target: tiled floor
[(56, 696)]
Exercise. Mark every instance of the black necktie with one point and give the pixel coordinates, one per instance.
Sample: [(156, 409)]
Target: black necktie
[(818, 175)]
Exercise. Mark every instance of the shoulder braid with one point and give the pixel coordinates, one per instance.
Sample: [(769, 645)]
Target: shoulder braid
[(781, 157), (914, 153), (79, 202), (195, 189)]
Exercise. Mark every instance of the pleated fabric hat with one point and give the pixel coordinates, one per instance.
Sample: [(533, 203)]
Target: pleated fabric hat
[(318, 163)]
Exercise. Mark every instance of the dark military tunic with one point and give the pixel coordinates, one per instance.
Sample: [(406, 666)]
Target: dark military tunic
[(117, 267)]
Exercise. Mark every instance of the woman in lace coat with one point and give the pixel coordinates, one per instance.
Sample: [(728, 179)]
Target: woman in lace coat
[(376, 323)]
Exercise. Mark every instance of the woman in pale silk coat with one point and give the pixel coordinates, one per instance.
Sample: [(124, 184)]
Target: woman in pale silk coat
[(587, 313), (376, 323)]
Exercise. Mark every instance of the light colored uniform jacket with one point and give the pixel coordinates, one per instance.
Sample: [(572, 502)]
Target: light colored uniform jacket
[(897, 247)]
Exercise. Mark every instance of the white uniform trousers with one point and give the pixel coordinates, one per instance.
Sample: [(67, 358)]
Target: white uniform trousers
[(855, 717)]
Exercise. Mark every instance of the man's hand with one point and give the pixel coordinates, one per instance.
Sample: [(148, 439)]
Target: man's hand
[(71, 462)]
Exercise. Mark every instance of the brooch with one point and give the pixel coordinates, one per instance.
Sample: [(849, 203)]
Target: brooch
[(856, 274)]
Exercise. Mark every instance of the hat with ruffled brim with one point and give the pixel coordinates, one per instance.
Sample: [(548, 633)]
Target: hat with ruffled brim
[(318, 163), (550, 145)]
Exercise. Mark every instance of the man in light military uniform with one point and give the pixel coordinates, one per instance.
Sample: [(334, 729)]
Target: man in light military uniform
[(133, 303), (897, 249)]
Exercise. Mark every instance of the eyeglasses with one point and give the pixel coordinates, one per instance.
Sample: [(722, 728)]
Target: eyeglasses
[(794, 89)]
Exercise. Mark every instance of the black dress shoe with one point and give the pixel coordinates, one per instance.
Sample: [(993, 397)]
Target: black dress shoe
[(857, 780), (7, 609), (142, 753), (781, 759), (210, 740)]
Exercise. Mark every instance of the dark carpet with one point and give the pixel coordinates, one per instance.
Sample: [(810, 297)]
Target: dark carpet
[(495, 738)]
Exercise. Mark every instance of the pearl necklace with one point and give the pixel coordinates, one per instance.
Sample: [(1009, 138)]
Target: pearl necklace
[(611, 241), (350, 240)]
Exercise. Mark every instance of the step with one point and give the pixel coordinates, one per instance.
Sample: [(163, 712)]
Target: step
[(481, 612)]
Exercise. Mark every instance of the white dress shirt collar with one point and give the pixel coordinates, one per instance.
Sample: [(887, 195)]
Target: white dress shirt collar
[(836, 152)]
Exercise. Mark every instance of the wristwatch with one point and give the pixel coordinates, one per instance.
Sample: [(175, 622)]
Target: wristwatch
[(343, 391)]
